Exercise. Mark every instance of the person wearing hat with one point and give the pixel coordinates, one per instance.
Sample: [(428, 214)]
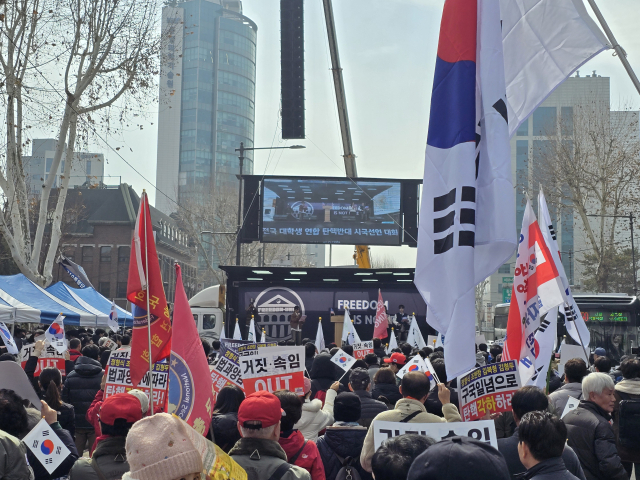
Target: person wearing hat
[(258, 451), (344, 438), (396, 361), (459, 458), (574, 371), (315, 417), (373, 365), (117, 415), (414, 389), (360, 384), (159, 448), (597, 353)]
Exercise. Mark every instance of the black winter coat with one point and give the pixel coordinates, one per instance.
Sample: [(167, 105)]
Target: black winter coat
[(369, 408), (346, 442), (433, 404), (551, 469), (66, 415), (323, 373), (225, 430), (380, 352), (81, 386), (390, 392), (591, 437)]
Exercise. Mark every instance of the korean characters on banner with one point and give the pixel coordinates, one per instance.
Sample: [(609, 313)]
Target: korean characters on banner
[(483, 431), (273, 368), (48, 358), (488, 389), (226, 371), (119, 379), (362, 349)]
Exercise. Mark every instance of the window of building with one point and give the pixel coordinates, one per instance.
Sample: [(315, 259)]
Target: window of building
[(105, 254), (88, 167), (523, 129), (105, 289), (87, 255), (545, 120), (566, 121), (121, 290), (506, 268), (49, 164), (124, 254)]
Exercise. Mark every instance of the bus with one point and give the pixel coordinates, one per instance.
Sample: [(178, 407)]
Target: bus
[(612, 320)]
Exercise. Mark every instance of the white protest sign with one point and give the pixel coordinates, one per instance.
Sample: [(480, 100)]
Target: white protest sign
[(362, 349), (110, 344), (343, 360), (272, 369), (567, 352), (484, 431), (48, 358), (46, 446), (13, 377), (416, 364), (572, 404)]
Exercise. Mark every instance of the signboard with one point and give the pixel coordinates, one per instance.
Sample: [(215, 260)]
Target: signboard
[(48, 358), (600, 316), (308, 210), (567, 352), (119, 379), (273, 368), (227, 368), (506, 294), (488, 389), (362, 349), (483, 431)]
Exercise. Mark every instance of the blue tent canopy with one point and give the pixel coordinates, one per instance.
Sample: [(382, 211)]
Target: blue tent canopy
[(21, 300)]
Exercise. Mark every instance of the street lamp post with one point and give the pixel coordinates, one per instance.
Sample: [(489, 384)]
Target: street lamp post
[(241, 151)]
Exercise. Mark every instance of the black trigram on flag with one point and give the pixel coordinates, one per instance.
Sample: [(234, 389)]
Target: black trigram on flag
[(552, 231), (543, 325), (442, 224), (569, 313)]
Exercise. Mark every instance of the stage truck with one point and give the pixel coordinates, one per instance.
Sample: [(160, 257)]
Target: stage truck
[(273, 293), (612, 320)]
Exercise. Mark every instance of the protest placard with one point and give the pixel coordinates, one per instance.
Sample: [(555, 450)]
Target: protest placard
[(13, 377), (48, 358), (484, 431), (488, 389), (110, 344), (362, 349), (46, 446), (119, 378), (567, 352), (274, 368), (252, 348), (226, 371)]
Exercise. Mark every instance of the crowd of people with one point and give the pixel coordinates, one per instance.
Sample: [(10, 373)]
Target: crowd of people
[(326, 433)]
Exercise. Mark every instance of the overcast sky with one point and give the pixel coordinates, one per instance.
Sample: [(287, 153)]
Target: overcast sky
[(387, 49)]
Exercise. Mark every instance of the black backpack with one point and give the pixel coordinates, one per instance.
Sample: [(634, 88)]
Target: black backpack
[(629, 423), (348, 470)]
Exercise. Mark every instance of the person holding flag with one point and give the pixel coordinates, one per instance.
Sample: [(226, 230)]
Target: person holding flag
[(151, 337)]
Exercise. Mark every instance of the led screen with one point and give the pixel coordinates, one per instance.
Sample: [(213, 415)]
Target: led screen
[(331, 211)]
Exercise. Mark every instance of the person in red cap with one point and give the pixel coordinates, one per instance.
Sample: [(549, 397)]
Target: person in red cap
[(258, 451), (117, 415), (396, 362)]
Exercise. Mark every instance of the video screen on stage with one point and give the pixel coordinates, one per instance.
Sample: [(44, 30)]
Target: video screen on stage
[(359, 212)]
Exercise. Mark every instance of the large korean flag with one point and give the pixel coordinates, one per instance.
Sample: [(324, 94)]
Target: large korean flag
[(46, 446)]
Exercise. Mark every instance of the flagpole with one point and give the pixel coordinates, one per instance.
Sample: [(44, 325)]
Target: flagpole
[(146, 277)]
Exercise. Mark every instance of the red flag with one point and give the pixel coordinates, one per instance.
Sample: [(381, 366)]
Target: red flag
[(382, 322), (190, 386), (144, 269)]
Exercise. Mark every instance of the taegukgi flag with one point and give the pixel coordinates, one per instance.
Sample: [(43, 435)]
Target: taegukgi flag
[(8, 340), (46, 446), (343, 360), (112, 322), (537, 289), (467, 216), (54, 334)]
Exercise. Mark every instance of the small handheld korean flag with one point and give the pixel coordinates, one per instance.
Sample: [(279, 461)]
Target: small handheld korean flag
[(55, 334), (113, 318), (431, 372), (7, 338), (343, 360), (46, 446), (416, 364)]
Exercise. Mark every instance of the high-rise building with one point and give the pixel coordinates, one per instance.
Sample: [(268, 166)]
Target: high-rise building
[(207, 94)]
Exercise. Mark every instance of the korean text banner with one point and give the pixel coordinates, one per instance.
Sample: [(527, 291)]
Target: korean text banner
[(274, 368), (226, 371), (488, 390), (48, 358), (362, 349), (119, 378), (483, 431)]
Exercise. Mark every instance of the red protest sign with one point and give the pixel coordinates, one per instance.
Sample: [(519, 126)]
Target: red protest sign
[(48, 358), (294, 382), (362, 349), (273, 368)]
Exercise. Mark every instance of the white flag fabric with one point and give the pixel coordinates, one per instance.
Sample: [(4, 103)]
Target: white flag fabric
[(416, 364), (55, 334), (393, 342), (251, 336), (544, 41), (236, 332), (112, 322), (320, 338), (574, 322), (222, 334), (537, 289), (431, 372), (46, 446), (415, 338), (439, 340), (343, 360), (8, 340), (263, 337), (545, 338), (467, 214), (349, 334)]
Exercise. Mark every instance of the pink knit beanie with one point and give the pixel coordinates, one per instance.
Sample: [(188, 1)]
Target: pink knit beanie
[(158, 449)]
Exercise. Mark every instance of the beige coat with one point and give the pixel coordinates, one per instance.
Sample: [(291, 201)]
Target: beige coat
[(405, 407)]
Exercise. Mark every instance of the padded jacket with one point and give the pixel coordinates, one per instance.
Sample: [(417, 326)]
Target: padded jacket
[(369, 408), (13, 464), (309, 458), (591, 437), (81, 387), (225, 430), (260, 458), (560, 397), (551, 469), (111, 457), (345, 442), (390, 392), (315, 417)]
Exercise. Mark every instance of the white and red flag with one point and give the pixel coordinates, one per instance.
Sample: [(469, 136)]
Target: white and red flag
[(537, 289), (382, 322)]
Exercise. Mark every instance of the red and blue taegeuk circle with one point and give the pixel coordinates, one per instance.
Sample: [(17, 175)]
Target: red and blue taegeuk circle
[(342, 359), (56, 329), (414, 368), (46, 447)]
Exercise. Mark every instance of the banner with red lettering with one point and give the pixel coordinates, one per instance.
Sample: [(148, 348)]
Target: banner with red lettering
[(273, 368), (48, 358), (362, 349)]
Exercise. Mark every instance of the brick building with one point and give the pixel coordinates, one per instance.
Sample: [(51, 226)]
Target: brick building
[(97, 235)]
